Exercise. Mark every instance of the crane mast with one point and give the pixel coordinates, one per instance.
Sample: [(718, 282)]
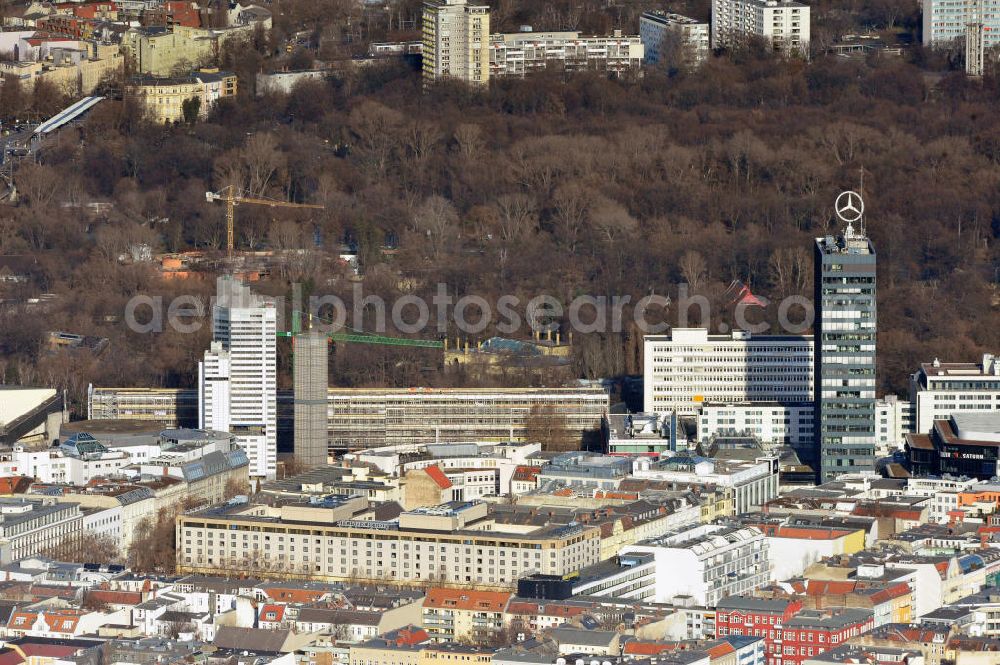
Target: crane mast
[(975, 48), (228, 195)]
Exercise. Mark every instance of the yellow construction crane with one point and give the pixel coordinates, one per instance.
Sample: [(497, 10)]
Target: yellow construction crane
[(231, 198)]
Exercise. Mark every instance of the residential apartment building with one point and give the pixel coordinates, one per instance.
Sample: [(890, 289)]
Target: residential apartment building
[(159, 51), (450, 545), (689, 367), (945, 21), (812, 632), (845, 331), (237, 380), (704, 564), (31, 526), (752, 616), (163, 99), (165, 51), (520, 53), (782, 23), (464, 615), (74, 68), (939, 390), (456, 37), (672, 39)]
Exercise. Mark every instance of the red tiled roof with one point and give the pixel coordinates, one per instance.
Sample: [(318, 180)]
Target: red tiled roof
[(720, 650), (35, 649), (437, 475), (278, 610), (811, 534), (642, 648), (278, 592), (467, 599), (15, 484), (10, 657), (544, 608), (115, 597), (526, 472), (823, 587), (409, 636)]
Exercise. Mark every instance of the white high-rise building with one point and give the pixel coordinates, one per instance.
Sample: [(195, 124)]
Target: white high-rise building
[(689, 367), (456, 40), (939, 390), (946, 21), (661, 33), (783, 23), (237, 380)]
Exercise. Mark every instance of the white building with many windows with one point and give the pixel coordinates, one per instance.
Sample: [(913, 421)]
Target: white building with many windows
[(237, 380), (456, 37), (751, 483), (945, 21), (939, 390), (666, 36), (783, 23), (32, 526), (772, 423), (707, 563), (689, 367), (519, 53), (894, 419)]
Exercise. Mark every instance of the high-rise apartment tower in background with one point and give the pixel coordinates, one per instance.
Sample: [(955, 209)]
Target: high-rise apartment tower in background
[(456, 41)]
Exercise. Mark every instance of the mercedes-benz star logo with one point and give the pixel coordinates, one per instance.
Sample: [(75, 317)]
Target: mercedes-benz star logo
[(849, 206)]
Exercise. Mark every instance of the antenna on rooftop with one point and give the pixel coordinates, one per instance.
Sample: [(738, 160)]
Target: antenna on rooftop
[(861, 192)]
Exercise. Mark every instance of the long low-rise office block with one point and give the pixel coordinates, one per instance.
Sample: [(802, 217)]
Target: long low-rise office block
[(455, 544), (358, 419)]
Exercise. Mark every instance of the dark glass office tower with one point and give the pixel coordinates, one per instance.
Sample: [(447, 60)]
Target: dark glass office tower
[(844, 354)]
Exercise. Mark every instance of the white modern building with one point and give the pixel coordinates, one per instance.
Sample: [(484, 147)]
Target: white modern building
[(945, 21), (32, 526), (689, 367), (771, 423), (237, 380), (939, 390), (782, 23), (519, 53), (894, 419), (752, 483), (943, 492), (456, 37), (666, 36), (706, 563)]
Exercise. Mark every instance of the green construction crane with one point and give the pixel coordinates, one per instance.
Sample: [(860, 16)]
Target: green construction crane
[(358, 337)]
